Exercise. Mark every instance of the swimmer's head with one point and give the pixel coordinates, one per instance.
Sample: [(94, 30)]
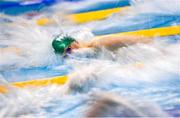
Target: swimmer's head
[(62, 44)]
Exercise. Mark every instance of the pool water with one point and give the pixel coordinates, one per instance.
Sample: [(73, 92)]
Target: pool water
[(143, 73)]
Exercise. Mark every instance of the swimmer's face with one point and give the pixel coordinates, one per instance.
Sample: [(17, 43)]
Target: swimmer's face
[(75, 45)]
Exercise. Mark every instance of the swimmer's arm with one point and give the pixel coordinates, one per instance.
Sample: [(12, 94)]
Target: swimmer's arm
[(120, 40)]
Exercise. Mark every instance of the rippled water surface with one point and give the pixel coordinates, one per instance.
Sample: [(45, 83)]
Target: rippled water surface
[(148, 74)]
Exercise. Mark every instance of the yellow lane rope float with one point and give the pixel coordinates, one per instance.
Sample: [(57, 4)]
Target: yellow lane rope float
[(60, 80), (84, 17), (95, 15), (154, 32)]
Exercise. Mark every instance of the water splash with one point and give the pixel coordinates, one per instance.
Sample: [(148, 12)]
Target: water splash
[(149, 72)]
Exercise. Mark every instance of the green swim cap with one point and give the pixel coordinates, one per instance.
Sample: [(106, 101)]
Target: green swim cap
[(61, 43)]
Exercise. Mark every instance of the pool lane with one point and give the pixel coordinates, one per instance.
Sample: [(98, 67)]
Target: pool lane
[(145, 21)]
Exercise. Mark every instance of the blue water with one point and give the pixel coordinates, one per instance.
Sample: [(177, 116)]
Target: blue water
[(143, 21), (17, 8), (21, 7), (157, 81)]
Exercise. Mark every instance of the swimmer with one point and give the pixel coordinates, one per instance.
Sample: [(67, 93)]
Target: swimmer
[(65, 44)]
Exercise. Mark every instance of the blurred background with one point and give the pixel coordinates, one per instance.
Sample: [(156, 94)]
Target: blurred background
[(140, 80)]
